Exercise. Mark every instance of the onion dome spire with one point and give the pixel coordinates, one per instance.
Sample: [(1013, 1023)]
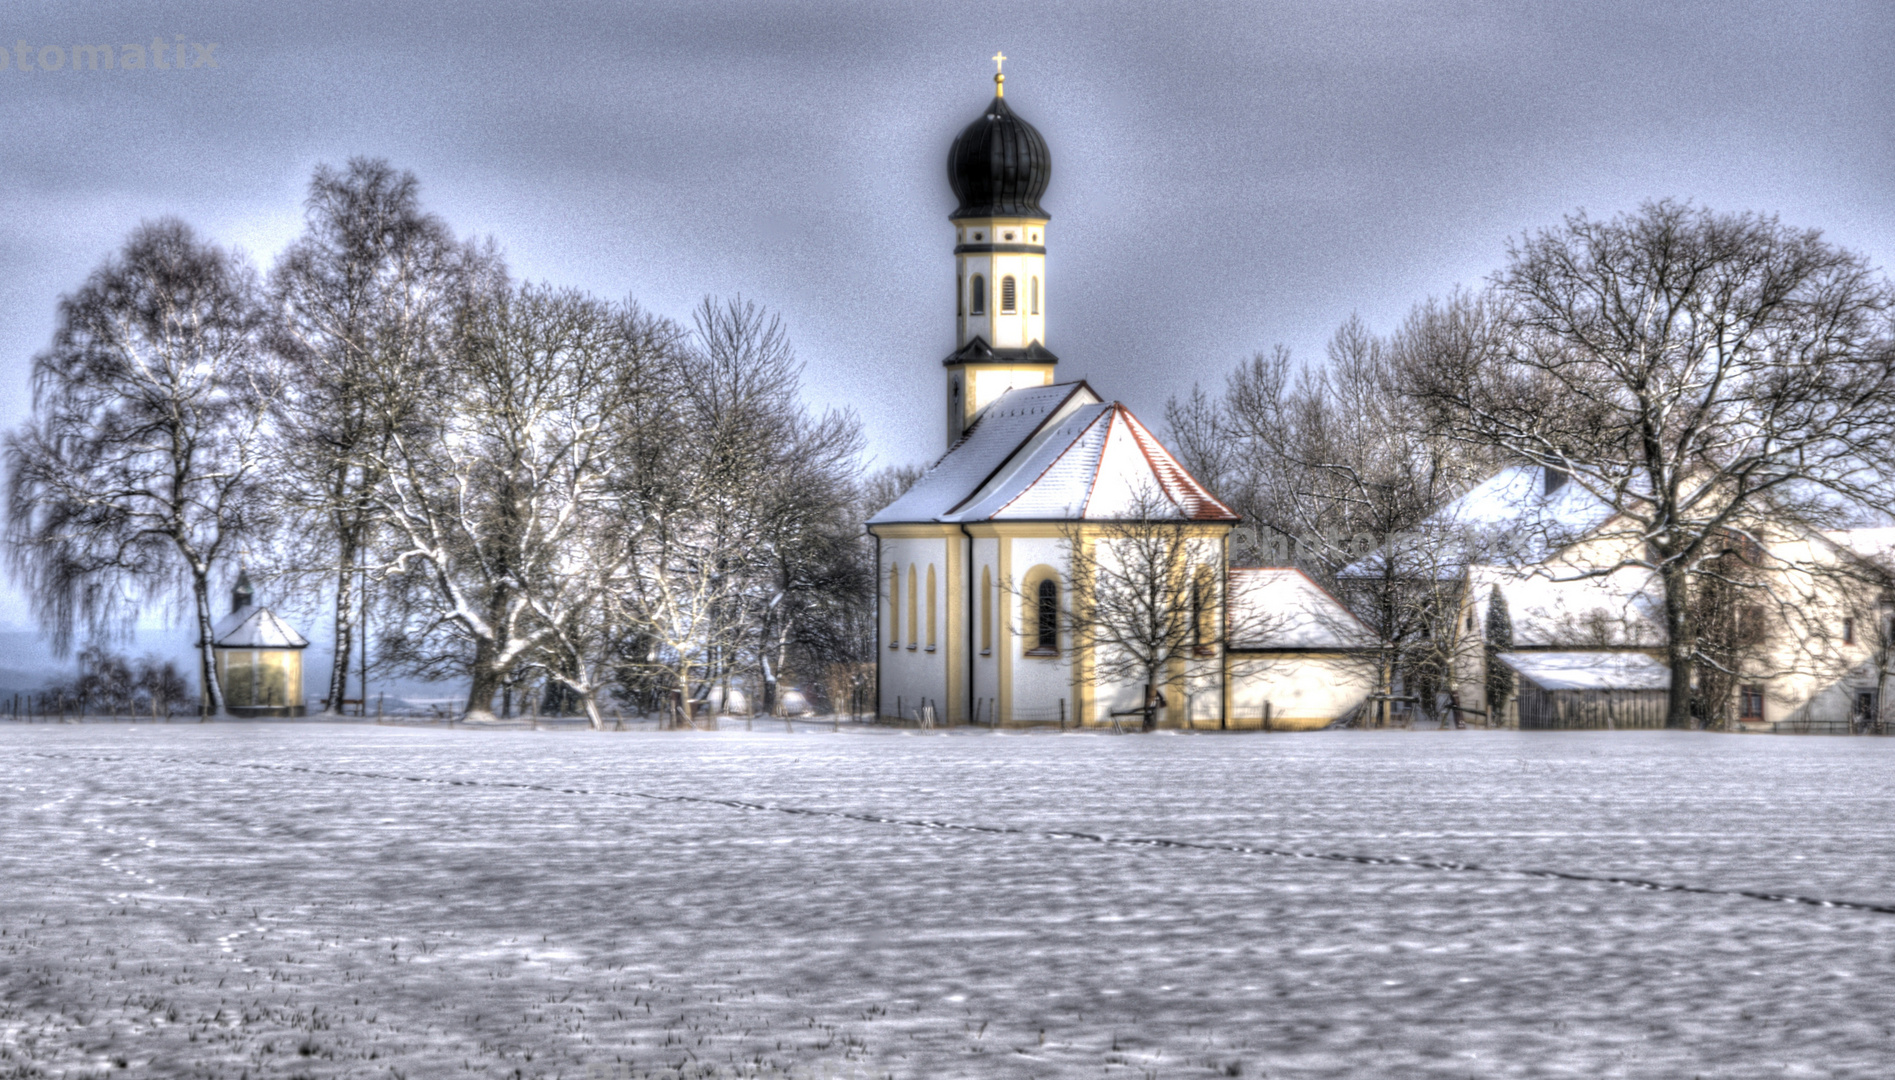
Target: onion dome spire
[(999, 164)]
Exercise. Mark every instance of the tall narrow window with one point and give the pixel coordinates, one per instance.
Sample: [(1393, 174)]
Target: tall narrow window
[(977, 296), (894, 606), (930, 607), (1203, 614), (913, 638), (1848, 631), (960, 306), (1047, 620), (1033, 294), (986, 610), (1006, 294)]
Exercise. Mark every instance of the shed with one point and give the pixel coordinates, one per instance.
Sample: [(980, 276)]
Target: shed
[(259, 658), (1589, 690)]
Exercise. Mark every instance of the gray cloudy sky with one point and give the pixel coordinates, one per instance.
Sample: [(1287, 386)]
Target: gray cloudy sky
[(1224, 177)]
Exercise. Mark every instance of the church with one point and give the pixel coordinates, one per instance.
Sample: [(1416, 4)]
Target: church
[(994, 568)]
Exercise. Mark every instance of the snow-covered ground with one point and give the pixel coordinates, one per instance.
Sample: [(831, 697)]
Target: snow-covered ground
[(312, 900)]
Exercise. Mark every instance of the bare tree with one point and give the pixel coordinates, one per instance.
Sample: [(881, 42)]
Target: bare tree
[(137, 473), (492, 491), (1696, 372), (1144, 595), (363, 305), (1337, 467)]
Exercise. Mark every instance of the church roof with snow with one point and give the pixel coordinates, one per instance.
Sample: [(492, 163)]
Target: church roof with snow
[(255, 627), (1053, 453)]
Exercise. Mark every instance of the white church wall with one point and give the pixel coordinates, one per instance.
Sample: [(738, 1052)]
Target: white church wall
[(1304, 690), (986, 626), (914, 661), (1039, 684)]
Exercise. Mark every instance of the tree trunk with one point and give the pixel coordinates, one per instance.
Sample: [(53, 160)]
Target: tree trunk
[(345, 631), (486, 682), (1677, 646), (211, 694)]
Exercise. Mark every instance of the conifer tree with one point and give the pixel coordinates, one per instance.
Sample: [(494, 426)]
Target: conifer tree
[(1499, 639)]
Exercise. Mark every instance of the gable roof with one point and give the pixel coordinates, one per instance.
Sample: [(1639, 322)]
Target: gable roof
[(1509, 518), (1284, 608), (1053, 453), (1624, 608), (254, 627), (1589, 670)]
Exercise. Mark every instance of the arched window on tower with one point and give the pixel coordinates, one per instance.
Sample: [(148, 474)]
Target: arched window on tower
[(1006, 294), (977, 296), (1033, 294), (960, 306)]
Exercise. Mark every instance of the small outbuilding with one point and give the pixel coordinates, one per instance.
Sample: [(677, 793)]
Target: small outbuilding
[(1589, 690), (259, 658), (1299, 659)]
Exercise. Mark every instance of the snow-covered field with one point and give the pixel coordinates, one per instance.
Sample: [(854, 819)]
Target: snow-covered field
[(310, 900)]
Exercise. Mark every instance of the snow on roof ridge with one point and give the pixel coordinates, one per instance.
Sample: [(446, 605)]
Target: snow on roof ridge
[(1092, 481)]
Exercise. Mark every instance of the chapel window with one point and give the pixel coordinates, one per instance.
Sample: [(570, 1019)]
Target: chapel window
[(913, 638), (894, 607), (1006, 293), (930, 607), (1047, 621), (960, 306), (977, 296), (1033, 294), (1848, 631), (986, 610)]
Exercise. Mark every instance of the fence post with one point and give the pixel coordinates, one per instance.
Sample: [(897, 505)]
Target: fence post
[(1266, 717), (1062, 714)]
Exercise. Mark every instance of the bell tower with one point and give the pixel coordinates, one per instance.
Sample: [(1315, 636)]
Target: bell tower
[(998, 168)]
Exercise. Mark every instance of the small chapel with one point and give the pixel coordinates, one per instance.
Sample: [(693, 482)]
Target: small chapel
[(977, 561)]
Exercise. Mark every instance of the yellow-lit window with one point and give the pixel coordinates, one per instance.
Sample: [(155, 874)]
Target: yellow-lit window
[(1033, 294), (913, 637), (894, 607), (930, 607)]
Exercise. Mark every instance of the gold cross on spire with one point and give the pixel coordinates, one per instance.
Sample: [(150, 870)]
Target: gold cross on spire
[(1000, 81)]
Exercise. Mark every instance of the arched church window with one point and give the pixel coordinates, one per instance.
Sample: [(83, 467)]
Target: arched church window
[(1033, 294), (1006, 293), (1203, 613), (1048, 619), (977, 296), (986, 610), (930, 607), (913, 638), (959, 305), (894, 607)]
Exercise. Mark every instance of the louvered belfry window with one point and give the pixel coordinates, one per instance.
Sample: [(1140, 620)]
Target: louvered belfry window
[(1006, 293)]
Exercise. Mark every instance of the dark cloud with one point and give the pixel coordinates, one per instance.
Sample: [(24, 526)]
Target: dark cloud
[(1225, 176)]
